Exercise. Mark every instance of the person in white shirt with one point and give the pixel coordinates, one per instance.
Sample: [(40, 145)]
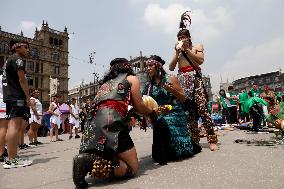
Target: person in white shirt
[(36, 117), (3, 124), (232, 105), (55, 120), (74, 118)]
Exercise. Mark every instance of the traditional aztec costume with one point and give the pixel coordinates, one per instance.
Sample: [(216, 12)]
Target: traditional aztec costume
[(196, 104), (171, 140), (106, 133), (276, 116)]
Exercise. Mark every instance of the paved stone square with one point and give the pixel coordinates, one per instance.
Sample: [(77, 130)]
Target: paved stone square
[(246, 166)]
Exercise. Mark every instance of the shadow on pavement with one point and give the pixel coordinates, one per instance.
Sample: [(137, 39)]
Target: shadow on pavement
[(25, 151), (28, 156), (44, 160)]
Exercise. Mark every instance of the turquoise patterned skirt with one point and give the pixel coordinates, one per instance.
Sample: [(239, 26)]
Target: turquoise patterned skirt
[(178, 144)]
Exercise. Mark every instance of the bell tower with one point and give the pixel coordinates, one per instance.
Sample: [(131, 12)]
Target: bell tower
[(55, 56)]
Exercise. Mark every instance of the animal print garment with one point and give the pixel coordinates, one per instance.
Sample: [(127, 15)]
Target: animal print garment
[(197, 106)]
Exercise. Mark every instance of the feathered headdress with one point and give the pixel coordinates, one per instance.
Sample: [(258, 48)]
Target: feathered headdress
[(184, 19)]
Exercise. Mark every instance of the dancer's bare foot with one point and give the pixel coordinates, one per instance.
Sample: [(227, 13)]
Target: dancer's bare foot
[(213, 146)]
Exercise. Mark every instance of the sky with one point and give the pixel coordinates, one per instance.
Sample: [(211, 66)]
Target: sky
[(240, 38)]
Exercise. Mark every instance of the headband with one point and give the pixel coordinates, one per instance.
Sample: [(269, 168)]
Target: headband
[(17, 45), (151, 61)]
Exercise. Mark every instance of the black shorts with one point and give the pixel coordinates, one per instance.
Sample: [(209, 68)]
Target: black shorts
[(17, 109), (124, 142)]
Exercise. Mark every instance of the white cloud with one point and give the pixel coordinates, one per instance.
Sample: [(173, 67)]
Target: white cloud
[(256, 59), (251, 60), (28, 25), (164, 19), (28, 28), (206, 25)]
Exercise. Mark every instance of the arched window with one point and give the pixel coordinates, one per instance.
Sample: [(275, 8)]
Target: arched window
[(56, 69), (55, 42), (4, 47), (30, 80), (55, 56), (34, 53), (51, 40)]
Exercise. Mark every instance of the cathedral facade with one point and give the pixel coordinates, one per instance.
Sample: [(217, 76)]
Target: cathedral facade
[(48, 59)]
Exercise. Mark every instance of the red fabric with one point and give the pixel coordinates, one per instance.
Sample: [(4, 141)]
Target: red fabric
[(187, 69), (215, 107), (119, 106)]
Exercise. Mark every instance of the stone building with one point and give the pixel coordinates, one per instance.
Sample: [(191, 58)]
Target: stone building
[(275, 81), (83, 91), (139, 67), (48, 58), (225, 85), (74, 93), (208, 87)]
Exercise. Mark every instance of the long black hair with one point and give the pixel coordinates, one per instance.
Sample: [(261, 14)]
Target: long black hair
[(161, 73), (118, 66), (224, 94), (160, 70)]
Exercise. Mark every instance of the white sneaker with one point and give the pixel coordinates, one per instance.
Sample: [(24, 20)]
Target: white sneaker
[(17, 162)]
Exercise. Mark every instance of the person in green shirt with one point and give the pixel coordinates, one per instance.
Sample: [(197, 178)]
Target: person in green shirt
[(279, 95), (243, 97), (210, 106), (224, 107), (255, 91), (254, 106)]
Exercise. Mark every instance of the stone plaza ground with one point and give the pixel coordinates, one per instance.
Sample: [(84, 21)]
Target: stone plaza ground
[(257, 164)]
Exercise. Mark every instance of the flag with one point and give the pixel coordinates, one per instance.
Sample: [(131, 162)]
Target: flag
[(54, 83)]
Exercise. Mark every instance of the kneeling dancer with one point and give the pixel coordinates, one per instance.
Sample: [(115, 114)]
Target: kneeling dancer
[(106, 148)]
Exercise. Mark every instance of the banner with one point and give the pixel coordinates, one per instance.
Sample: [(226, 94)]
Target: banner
[(54, 83)]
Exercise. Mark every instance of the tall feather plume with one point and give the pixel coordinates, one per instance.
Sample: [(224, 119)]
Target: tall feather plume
[(184, 20)]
